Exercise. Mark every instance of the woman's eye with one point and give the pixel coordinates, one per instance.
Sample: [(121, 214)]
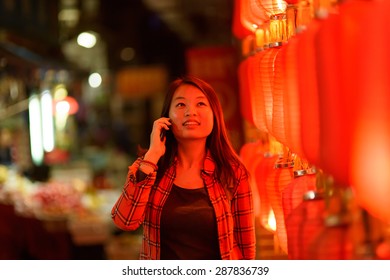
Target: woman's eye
[(179, 104), (201, 104)]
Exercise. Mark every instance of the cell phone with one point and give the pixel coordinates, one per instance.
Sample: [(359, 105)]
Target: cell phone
[(162, 134)]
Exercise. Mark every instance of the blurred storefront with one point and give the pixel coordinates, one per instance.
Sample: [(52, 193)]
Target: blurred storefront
[(57, 162)]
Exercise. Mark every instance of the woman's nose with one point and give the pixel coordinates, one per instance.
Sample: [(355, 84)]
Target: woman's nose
[(191, 111)]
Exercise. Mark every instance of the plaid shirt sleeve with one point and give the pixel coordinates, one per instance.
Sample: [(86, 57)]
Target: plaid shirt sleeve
[(128, 211), (243, 217)]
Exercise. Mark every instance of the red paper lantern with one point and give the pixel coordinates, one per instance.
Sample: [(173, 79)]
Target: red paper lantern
[(335, 109), (263, 169), (334, 242), (313, 223), (308, 92), (256, 91), (292, 110), (277, 180), (292, 195), (266, 79), (239, 29), (303, 225), (279, 92)]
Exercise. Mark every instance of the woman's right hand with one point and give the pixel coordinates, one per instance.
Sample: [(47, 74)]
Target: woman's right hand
[(157, 145)]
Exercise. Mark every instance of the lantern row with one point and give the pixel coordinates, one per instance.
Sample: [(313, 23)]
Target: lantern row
[(319, 83)]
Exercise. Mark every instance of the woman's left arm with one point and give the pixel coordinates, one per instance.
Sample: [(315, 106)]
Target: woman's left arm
[(244, 219)]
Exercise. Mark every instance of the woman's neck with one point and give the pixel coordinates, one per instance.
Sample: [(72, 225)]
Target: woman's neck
[(191, 155)]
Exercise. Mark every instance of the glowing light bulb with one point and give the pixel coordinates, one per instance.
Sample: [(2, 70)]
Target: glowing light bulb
[(86, 40)]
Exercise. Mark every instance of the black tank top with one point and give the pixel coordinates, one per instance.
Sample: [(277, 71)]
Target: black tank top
[(188, 226)]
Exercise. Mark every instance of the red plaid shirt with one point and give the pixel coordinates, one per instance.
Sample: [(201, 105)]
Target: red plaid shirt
[(141, 202)]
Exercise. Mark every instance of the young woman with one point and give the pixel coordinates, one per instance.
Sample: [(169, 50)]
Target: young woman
[(190, 190)]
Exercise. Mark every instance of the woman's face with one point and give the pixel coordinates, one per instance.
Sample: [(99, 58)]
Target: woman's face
[(190, 114)]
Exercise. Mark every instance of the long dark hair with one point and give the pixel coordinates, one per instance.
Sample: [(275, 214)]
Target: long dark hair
[(218, 143)]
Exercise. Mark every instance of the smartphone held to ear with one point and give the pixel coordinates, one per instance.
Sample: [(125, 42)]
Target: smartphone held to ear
[(162, 134), (164, 131)]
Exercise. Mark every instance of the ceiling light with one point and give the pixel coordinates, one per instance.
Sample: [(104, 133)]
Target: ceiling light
[(95, 80), (86, 39)]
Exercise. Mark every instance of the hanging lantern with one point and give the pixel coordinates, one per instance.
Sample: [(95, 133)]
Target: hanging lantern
[(333, 242), (291, 101), (303, 225), (313, 222), (292, 195), (276, 77), (335, 110), (297, 16), (256, 87), (308, 82), (337, 239), (262, 170), (239, 29), (279, 93), (266, 80), (279, 178), (285, 117), (256, 91), (308, 92)]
